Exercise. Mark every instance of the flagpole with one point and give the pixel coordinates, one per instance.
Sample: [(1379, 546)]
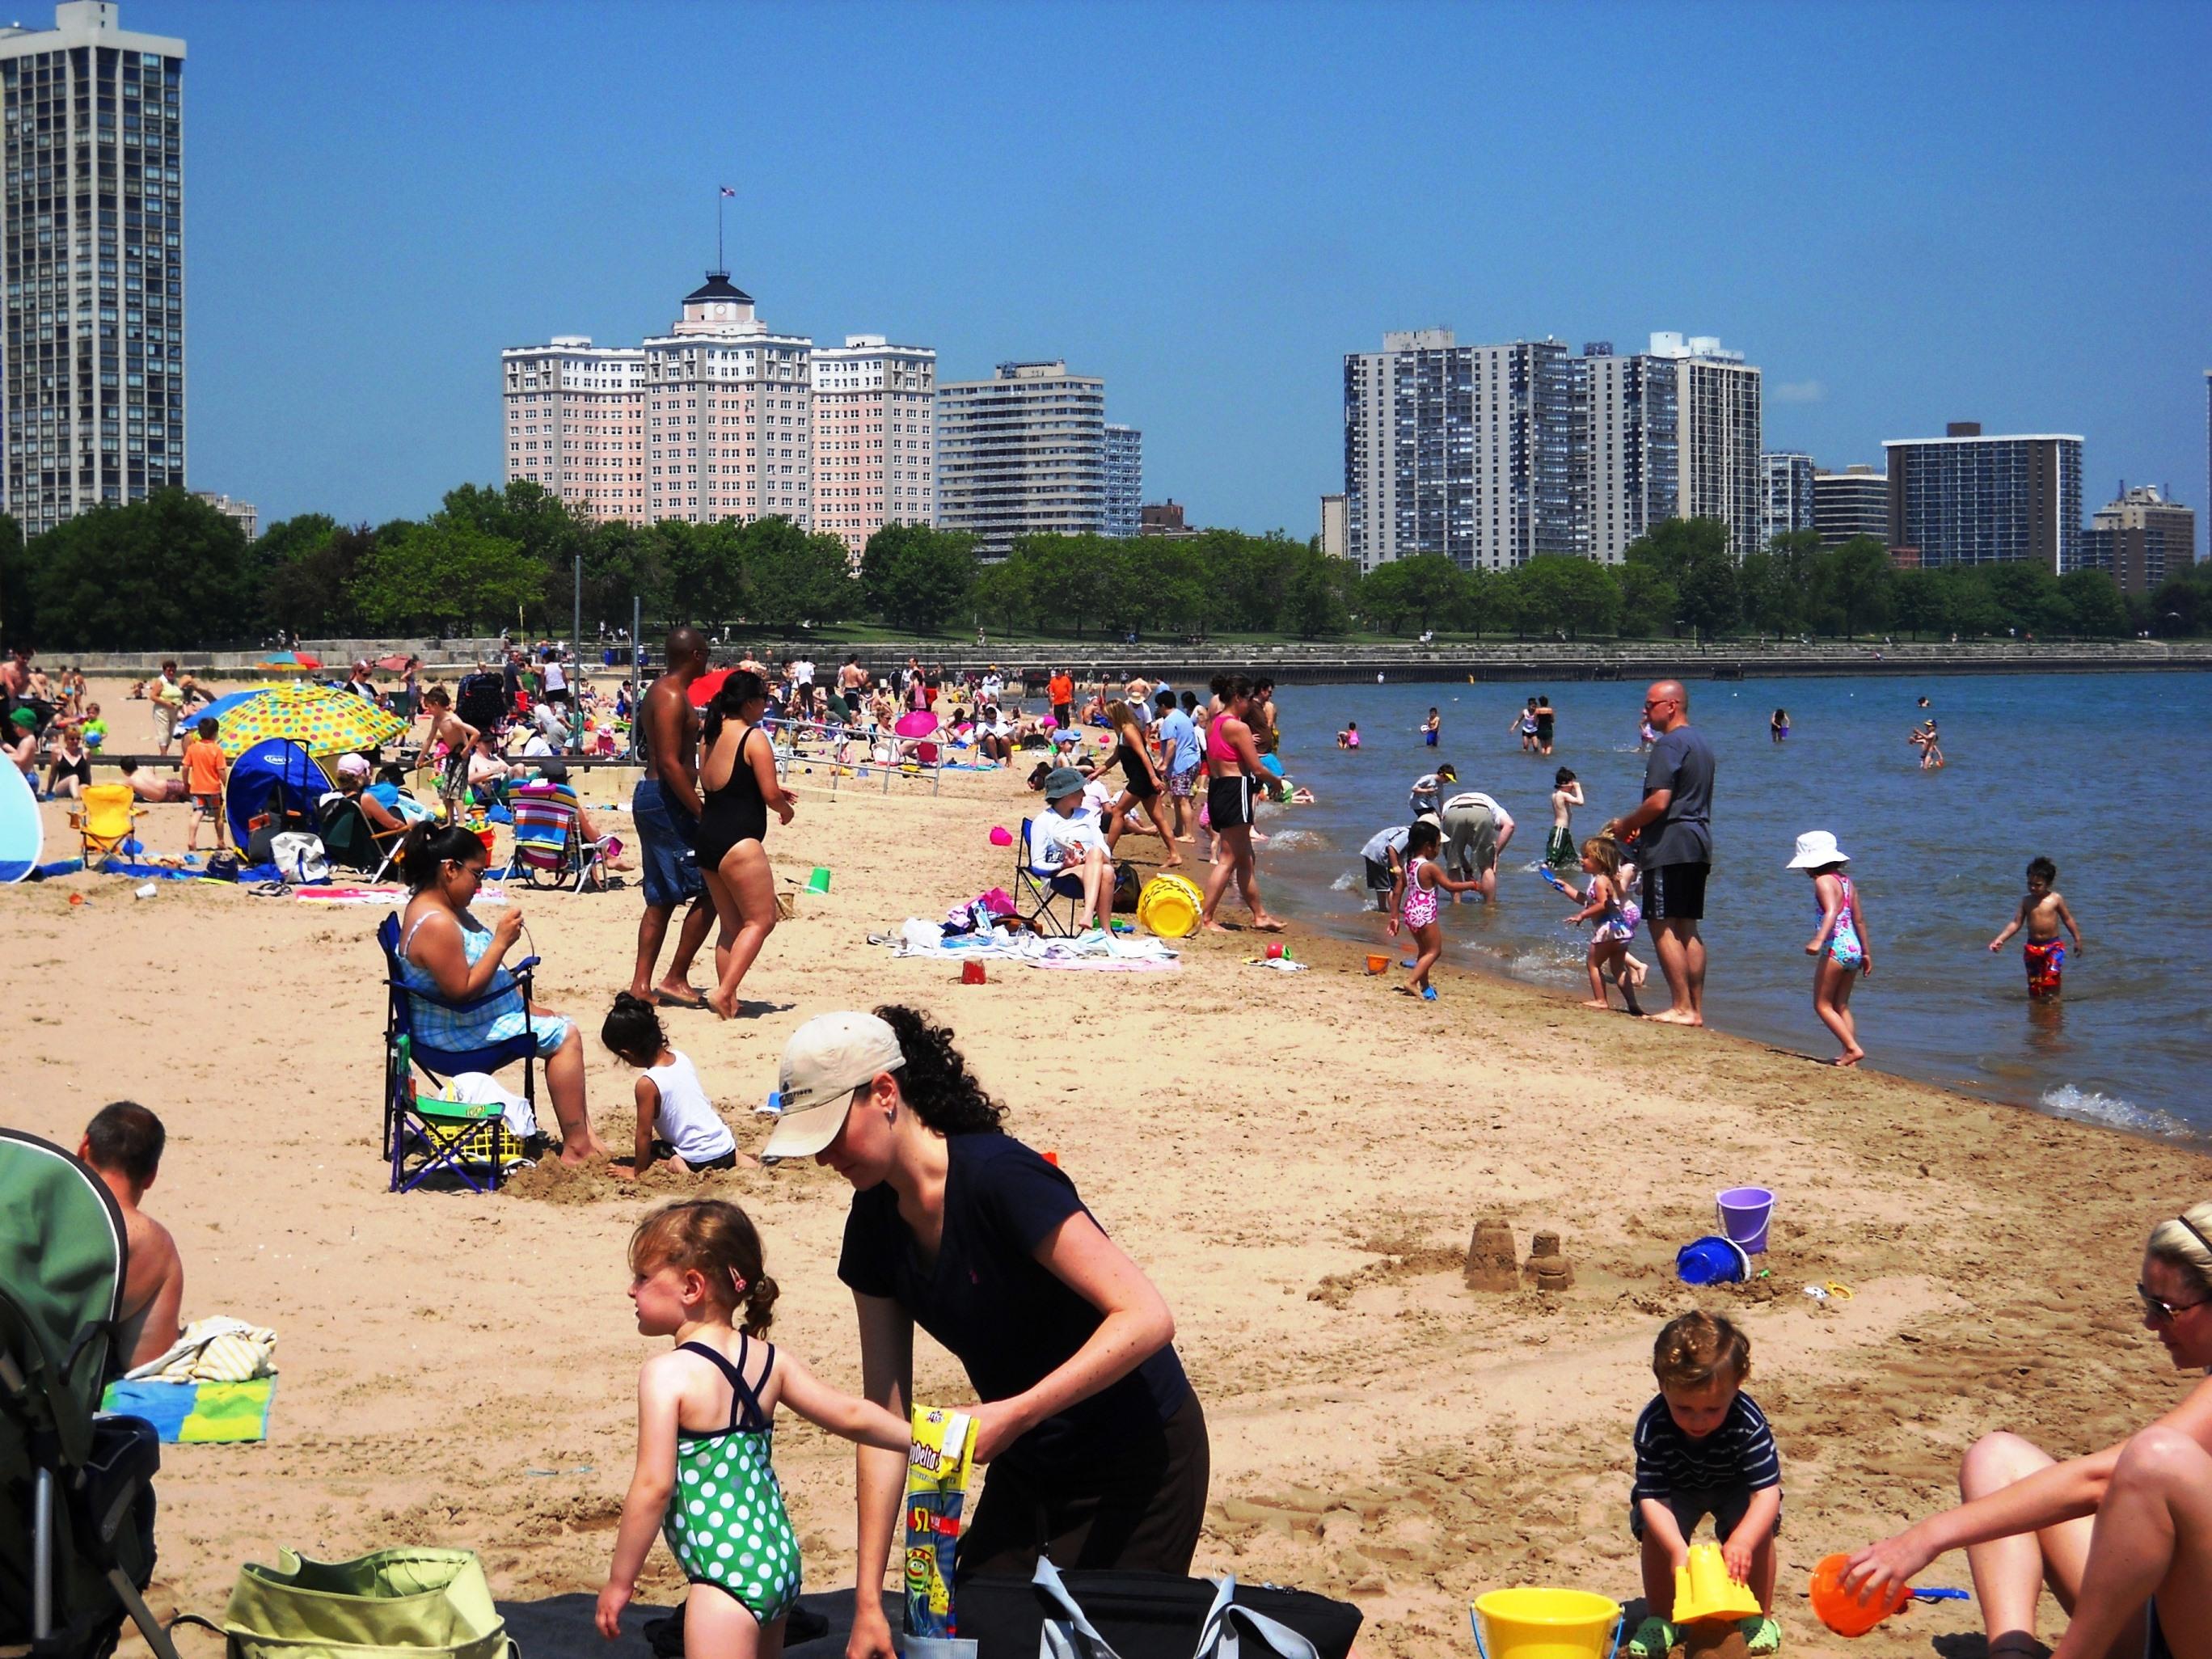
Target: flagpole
[(720, 263)]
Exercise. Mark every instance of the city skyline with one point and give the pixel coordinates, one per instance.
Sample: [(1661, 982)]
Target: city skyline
[(1876, 237)]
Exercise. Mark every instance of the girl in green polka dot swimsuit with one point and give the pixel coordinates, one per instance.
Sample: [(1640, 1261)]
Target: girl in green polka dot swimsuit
[(706, 1413)]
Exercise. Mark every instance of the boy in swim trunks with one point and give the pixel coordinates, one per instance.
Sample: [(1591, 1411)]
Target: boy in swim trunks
[(204, 767), (2043, 912)]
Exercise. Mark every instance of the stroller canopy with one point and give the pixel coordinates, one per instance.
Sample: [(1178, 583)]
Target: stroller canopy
[(275, 775), (61, 1257)]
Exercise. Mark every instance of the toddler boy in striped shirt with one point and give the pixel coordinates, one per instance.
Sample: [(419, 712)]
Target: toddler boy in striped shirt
[(1703, 1448)]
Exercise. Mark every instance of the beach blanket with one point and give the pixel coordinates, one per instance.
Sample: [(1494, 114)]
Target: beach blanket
[(197, 1413), (1109, 953)]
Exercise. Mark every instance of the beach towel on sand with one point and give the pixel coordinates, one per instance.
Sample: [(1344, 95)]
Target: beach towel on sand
[(197, 1413)]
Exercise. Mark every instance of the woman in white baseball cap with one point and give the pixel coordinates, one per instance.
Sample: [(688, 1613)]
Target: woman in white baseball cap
[(1096, 1445)]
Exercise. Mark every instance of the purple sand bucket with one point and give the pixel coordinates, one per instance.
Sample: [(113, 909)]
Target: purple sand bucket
[(1744, 1211)]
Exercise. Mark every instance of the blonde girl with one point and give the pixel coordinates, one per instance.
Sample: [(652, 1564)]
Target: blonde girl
[(705, 1416), (1613, 915)]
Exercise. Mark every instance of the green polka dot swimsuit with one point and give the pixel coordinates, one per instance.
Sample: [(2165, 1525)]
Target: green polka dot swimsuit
[(726, 1523)]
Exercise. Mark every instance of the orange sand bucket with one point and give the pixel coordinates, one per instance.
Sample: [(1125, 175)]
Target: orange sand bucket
[(1546, 1624), (1844, 1612), (1377, 964)]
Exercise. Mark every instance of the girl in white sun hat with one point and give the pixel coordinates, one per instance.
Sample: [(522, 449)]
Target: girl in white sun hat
[(1841, 947)]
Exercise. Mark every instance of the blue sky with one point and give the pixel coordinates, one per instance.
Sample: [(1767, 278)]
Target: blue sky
[(1905, 215)]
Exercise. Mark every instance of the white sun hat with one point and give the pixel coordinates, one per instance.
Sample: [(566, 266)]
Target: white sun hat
[(1816, 848)]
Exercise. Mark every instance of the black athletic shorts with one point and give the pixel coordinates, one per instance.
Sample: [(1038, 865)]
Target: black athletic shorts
[(1228, 803), (1675, 892)]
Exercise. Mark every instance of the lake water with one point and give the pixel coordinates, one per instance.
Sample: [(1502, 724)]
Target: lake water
[(2108, 776)]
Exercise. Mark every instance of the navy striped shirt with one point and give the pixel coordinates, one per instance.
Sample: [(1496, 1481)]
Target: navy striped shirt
[(1738, 1453)]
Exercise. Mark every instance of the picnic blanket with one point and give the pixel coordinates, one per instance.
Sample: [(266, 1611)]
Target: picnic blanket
[(1109, 953)]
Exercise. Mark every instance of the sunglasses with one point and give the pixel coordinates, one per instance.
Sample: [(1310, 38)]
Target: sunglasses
[(2160, 1309)]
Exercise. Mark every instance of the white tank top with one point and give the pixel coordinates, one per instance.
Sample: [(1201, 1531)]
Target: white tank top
[(686, 1119)]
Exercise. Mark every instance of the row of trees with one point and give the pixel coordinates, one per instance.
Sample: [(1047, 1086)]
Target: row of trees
[(171, 571)]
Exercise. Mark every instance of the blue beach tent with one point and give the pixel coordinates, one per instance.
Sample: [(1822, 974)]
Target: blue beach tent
[(275, 775)]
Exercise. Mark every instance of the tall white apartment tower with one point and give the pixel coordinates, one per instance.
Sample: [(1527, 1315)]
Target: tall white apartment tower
[(93, 372), (1673, 432), (1021, 453), (874, 438), (1465, 451)]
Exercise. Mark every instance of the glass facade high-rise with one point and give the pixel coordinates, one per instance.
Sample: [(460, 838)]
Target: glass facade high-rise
[(1968, 499), (1125, 480), (94, 365), (1787, 480)]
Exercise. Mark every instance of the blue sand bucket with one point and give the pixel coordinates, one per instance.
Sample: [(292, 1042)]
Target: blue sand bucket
[(1712, 1260)]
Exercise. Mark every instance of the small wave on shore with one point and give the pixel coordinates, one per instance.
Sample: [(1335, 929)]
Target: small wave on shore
[(2094, 1106)]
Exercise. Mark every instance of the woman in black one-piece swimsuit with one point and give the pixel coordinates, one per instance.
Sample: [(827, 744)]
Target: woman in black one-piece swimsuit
[(737, 781)]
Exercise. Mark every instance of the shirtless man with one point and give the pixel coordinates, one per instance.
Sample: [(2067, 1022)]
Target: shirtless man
[(146, 788), (124, 1144), (665, 808)]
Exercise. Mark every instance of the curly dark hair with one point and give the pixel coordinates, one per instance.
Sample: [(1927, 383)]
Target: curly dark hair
[(935, 1080)]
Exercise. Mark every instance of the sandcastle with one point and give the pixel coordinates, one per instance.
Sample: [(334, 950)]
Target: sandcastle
[(1489, 1257), (1545, 1269)]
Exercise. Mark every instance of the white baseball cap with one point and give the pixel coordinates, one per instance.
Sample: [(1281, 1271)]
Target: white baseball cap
[(1816, 848), (826, 1059)]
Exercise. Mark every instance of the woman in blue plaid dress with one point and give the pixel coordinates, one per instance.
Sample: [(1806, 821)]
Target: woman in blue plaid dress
[(448, 957)]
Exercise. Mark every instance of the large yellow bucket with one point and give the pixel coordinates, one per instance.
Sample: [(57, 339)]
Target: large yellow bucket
[(1169, 906), (1546, 1624)]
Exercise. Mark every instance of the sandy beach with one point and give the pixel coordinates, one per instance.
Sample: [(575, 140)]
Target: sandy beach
[(1297, 1159)]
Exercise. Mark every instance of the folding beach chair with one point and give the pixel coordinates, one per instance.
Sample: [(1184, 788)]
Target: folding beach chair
[(1047, 900), (549, 839), (441, 1136), (76, 1501), (103, 819), (350, 840)]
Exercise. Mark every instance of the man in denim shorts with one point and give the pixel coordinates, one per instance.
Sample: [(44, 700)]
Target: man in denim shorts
[(666, 807)]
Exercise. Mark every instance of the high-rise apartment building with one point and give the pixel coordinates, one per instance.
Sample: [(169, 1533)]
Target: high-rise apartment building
[(1336, 531), (2140, 539), (716, 419), (1968, 499), (1125, 480), (875, 455), (92, 376), (1633, 450), (1787, 488), (1850, 503), (244, 515), (1671, 433), (1469, 451), (1021, 453)]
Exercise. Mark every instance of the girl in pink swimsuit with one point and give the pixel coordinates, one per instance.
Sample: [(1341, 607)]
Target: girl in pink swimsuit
[(1413, 903)]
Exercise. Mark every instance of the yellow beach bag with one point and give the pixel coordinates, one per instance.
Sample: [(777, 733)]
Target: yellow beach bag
[(1169, 906)]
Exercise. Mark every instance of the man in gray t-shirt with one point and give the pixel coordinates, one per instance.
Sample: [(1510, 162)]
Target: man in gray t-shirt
[(1673, 849)]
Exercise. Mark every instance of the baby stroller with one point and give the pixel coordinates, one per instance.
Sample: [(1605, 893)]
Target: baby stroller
[(76, 1497)]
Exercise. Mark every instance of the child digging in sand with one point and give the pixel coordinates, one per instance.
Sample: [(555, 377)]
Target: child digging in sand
[(1703, 1448), (2042, 911), (1613, 915), (705, 1411), (676, 1121), (1842, 945), (1413, 902)]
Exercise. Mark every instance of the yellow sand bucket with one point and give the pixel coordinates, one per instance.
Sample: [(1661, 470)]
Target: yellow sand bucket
[(1169, 906), (1546, 1624), (1703, 1588)]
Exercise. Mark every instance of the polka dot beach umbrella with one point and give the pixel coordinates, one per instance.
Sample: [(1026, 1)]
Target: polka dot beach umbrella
[(320, 720)]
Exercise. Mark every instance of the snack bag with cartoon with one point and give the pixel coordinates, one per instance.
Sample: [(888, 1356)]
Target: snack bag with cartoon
[(938, 1465)]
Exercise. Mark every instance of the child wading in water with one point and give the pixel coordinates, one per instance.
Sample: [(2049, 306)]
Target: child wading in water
[(674, 1119), (2042, 911), (1613, 915), (705, 1412), (1413, 902), (1842, 944), (1703, 1448), (1566, 795)]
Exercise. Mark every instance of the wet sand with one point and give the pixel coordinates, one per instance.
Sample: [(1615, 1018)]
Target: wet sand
[(1297, 1158)]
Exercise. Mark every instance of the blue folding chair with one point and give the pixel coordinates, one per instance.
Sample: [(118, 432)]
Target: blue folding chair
[(1040, 899), (446, 1138)]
